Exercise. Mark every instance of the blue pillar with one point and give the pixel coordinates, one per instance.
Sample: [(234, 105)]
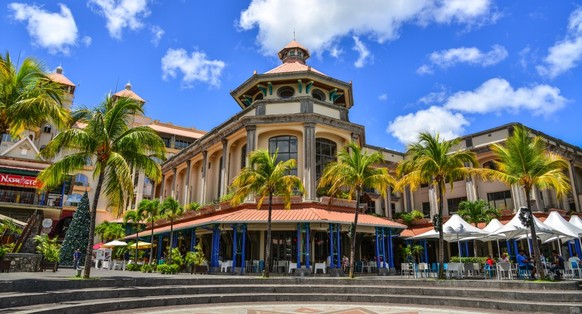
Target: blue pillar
[(244, 242), (175, 240), (508, 247), (515, 249), (383, 237), (215, 247), (578, 247), (467, 248), (160, 242), (298, 246), (339, 246), (425, 252), (377, 248), (391, 249), (193, 239), (569, 247), (307, 246), (234, 245), (331, 246), (530, 246)]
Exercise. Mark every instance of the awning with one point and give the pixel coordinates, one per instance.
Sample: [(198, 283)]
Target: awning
[(279, 216)]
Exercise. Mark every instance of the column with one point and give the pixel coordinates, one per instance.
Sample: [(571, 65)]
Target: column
[(309, 168), (223, 169), (162, 188), (471, 189), (251, 138), (388, 206), (186, 188), (574, 184), (139, 187), (173, 190), (378, 206), (203, 181)]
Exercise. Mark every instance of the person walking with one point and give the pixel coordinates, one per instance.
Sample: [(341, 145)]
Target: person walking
[(76, 259)]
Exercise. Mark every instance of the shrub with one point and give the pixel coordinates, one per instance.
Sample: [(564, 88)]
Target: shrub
[(456, 259), (177, 258), (133, 267), (49, 248), (147, 268), (168, 269)]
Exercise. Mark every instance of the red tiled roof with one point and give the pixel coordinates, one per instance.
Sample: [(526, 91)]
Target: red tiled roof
[(283, 216), (129, 94), (60, 78), (292, 67)]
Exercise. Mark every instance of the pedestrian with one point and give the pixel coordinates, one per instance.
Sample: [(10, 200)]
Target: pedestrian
[(76, 258)]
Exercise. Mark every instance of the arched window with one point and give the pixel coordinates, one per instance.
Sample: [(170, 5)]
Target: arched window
[(286, 92), (318, 94), (243, 156), (286, 146), (81, 180), (325, 152)]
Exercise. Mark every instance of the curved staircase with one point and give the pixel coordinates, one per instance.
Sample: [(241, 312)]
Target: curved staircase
[(124, 293)]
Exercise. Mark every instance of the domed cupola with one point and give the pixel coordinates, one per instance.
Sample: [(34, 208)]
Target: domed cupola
[(294, 52)]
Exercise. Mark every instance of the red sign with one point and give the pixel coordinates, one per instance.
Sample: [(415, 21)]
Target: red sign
[(11, 179)]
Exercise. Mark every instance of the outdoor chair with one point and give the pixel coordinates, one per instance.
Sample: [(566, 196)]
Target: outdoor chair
[(292, 267), (523, 273), (453, 268), (568, 270), (504, 271), (224, 266), (405, 268), (320, 266), (488, 271), (575, 269), (468, 269), (423, 269)]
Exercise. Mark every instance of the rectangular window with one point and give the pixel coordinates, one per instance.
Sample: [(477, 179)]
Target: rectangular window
[(500, 200), (180, 144), (453, 204), (426, 209), (167, 141), (469, 142)]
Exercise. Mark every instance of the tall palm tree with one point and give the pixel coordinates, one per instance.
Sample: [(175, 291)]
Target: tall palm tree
[(265, 176), (152, 210), (356, 170), (524, 160), (114, 147), (477, 211), (172, 210), (28, 97), (108, 231), (431, 161), (136, 216)]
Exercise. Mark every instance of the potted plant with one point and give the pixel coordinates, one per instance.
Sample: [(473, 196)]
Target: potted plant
[(195, 258), (49, 248)]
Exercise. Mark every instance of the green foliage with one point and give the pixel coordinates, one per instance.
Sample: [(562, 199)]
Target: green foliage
[(109, 231), (152, 210), (10, 227), (471, 259), (407, 253), (49, 248), (192, 206), (175, 257), (227, 197), (133, 267), (477, 211), (195, 257), (77, 235), (171, 210), (3, 251), (147, 268), (409, 218), (168, 269)]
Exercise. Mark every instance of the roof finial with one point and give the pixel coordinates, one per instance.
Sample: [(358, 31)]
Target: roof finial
[(128, 85), (293, 33), (59, 69)]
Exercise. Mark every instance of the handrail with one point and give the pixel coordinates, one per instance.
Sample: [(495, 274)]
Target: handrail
[(26, 232)]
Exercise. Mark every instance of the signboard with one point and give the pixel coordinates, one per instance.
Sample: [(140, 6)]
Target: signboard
[(18, 180)]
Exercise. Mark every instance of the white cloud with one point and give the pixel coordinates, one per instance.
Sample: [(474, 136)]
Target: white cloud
[(86, 40), (378, 20), (383, 97), (56, 32), (195, 67), (364, 53), (158, 33), (471, 55), (496, 95), (434, 120), (567, 53), (434, 97), (335, 52), (121, 14)]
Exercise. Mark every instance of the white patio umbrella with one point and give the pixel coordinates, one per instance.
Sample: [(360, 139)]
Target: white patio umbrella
[(114, 243), (491, 227), (569, 231), (455, 229), (140, 245), (576, 221)]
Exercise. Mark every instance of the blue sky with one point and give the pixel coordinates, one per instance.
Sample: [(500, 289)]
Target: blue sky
[(453, 67)]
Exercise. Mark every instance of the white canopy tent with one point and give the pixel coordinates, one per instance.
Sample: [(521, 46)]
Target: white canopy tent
[(558, 223), (491, 227), (455, 229), (576, 221)]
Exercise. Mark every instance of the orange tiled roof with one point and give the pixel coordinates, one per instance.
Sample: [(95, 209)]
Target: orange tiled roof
[(127, 93), (292, 67), (283, 216), (60, 78), (295, 44)]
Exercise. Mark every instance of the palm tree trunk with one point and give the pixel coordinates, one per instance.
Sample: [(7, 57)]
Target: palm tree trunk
[(152, 242), (89, 252), (353, 237), (171, 241), (441, 234), (534, 238), (268, 244)]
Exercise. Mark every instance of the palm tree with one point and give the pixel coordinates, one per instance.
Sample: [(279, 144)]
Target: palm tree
[(477, 211), (109, 231), (430, 161), (524, 160), (152, 210), (265, 176), (114, 147), (354, 171), (136, 217), (172, 210), (28, 97)]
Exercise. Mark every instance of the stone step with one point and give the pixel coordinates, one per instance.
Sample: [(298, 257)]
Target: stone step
[(109, 305), (15, 299)]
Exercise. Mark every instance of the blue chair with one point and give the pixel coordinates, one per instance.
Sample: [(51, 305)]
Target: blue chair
[(488, 271), (523, 272)]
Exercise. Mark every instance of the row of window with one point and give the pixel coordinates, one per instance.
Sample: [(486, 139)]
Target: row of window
[(288, 92), (500, 200)]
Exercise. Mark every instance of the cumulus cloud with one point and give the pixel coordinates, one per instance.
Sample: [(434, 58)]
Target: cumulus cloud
[(368, 19), (433, 120), (86, 40), (471, 55), (363, 52), (383, 97), (194, 67), (567, 53), (497, 95), (56, 32), (121, 14), (157, 33)]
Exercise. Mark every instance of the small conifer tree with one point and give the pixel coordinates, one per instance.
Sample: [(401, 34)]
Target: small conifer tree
[(77, 235)]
